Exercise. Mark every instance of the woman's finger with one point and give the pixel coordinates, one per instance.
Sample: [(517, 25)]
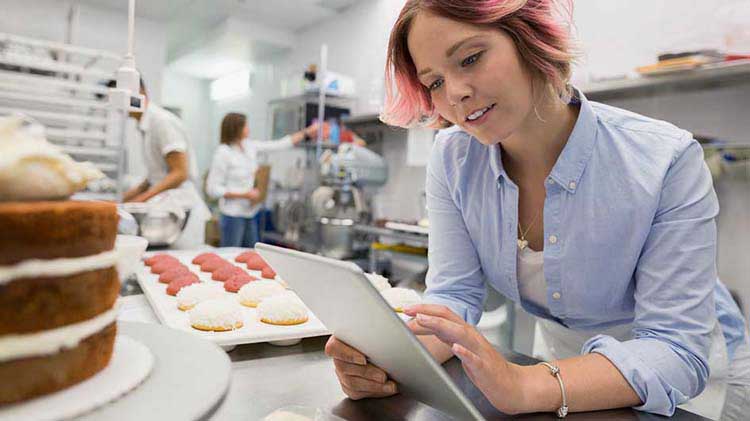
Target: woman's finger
[(369, 387), (433, 310), (356, 395), (341, 351), (467, 357), (446, 330), (418, 329), (369, 371), (451, 333)]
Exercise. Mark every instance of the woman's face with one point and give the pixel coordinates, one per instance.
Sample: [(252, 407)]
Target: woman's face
[(245, 132), (474, 75)]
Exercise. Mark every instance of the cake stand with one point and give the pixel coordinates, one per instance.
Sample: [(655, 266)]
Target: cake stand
[(155, 373)]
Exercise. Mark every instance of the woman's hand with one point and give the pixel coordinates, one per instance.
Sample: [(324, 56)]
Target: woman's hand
[(252, 195), (499, 380), (359, 379)]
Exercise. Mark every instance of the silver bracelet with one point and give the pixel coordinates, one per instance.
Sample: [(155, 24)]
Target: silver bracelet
[(562, 412)]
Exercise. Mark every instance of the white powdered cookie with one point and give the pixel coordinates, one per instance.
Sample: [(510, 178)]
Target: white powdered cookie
[(400, 298), (193, 294), (217, 315), (380, 282), (253, 293), (283, 309)]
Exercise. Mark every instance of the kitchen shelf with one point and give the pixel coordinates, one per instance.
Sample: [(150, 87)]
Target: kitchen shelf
[(705, 77), (77, 135), (52, 117), (362, 118), (60, 86), (43, 81), (88, 151), (55, 100)]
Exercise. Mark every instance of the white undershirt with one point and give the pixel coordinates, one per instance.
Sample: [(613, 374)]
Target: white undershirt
[(530, 273)]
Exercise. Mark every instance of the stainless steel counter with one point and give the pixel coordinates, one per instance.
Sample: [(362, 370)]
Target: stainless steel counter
[(267, 377)]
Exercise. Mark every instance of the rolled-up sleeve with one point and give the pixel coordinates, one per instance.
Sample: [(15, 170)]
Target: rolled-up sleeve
[(454, 276), (216, 183), (666, 362), (274, 145), (169, 137)]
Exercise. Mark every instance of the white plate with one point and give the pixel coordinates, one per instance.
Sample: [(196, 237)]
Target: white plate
[(131, 363), (253, 331)]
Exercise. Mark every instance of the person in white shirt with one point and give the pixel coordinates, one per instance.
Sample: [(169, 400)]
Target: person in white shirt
[(231, 178), (170, 169)]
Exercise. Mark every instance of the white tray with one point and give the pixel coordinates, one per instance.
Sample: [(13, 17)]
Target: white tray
[(253, 331)]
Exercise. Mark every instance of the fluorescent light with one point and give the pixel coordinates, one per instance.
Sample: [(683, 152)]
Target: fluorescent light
[(231, 85)]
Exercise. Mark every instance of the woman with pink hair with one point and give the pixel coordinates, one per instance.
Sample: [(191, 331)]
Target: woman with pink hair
[(598, 221)]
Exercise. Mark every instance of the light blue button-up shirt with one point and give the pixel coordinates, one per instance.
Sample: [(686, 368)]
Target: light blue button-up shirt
[(630, 237)]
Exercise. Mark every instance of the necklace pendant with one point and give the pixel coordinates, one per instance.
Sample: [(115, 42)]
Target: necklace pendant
[(522, 244)]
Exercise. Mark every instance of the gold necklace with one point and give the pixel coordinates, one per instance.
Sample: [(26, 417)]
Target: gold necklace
[(522, 242)]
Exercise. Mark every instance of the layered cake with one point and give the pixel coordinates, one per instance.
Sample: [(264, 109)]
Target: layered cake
[(58, 282)]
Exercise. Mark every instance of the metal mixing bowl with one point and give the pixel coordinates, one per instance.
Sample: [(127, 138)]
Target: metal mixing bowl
[(161, 227)]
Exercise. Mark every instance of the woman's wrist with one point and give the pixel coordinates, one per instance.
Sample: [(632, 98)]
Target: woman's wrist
[(539, 391)]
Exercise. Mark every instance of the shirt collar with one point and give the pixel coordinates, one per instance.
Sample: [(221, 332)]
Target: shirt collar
[(575, 155), (569, 167)]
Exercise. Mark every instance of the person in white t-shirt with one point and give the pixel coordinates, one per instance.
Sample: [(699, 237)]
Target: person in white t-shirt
[(170, 169), (231, 178)]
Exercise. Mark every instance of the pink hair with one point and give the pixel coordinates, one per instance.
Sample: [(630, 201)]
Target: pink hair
[(540, 35)]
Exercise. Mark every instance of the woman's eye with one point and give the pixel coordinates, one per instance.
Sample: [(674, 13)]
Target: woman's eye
[(470, 60), (436, 84)]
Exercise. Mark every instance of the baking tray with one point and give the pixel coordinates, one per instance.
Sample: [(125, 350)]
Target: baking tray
[(253, 331)]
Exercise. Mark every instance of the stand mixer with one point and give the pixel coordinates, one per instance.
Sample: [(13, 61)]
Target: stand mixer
[(340, 202)]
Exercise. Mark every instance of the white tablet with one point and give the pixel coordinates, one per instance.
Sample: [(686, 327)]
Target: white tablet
[(354, 311)]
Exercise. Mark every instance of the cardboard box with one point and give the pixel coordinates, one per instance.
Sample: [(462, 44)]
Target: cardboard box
[(262, 180)]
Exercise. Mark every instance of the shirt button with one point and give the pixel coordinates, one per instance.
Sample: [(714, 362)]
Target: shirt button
[(552, 239), (556, 295), (550, 181), (572, 185)]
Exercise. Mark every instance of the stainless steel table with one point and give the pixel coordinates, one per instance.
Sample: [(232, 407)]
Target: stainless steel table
[(267, 377)]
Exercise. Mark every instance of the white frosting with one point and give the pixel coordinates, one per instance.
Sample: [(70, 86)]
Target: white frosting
[(399, 298), (33, 169), (51, 341), (193, 294), (380, 282), (57, 267), (256, 291), (280, 308), (218, 313)]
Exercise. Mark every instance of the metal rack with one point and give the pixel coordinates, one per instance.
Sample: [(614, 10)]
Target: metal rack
[(63, 87), (705, 77)]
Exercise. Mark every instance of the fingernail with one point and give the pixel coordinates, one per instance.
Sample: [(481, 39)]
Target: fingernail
[(390, 388), (360, 360), (455, 351)]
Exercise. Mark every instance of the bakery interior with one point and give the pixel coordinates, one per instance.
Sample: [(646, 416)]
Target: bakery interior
[(352, 189)]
